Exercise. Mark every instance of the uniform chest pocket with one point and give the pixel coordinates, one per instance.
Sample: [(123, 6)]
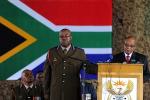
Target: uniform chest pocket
[(55, 62)]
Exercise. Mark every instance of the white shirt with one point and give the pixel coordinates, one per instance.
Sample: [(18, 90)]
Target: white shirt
[(66, 48), (128, 55), (28, 86)]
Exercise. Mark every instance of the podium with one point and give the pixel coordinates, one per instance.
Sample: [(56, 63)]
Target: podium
[(120, 81)]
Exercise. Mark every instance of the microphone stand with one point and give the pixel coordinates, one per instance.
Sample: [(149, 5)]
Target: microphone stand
[(85, 64), (83, 82)]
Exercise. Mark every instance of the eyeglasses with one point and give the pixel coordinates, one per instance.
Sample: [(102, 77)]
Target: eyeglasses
[(127, 45)]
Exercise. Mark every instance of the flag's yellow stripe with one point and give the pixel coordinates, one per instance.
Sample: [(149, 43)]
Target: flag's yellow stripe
[(29, 39)]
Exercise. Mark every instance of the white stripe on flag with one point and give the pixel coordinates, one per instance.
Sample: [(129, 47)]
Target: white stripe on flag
[(41, 59), (57, 28), (98, 50), (31, 66)]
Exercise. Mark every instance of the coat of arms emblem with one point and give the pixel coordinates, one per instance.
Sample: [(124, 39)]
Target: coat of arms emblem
[(119, 89)]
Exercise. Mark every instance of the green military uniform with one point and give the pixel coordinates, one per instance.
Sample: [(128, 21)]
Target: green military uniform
[(62, 80)]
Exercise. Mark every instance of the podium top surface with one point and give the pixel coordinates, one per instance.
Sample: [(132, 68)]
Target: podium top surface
[(119, 67)]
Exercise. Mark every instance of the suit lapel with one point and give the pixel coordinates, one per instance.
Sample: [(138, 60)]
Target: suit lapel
[(60, 51), (133, 57), (24, 90), (123, 59)]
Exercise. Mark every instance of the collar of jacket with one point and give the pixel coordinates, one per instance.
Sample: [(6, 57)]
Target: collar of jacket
[(59, 46), (22, 85)]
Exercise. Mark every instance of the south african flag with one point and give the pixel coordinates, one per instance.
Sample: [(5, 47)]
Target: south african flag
[(28, 28)]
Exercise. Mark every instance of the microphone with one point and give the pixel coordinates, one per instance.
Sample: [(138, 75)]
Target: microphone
[(133, 61), (109, 59)]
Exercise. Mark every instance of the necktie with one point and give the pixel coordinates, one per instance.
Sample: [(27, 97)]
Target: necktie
[(29, 89), (128, 59), (65, 51), (29, 94)]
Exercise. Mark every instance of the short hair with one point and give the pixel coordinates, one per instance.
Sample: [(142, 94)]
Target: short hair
[(130, 37), (64, 30), (39, 73), (26, 71)]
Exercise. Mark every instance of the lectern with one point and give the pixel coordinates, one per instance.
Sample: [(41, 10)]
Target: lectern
[(120, 81)]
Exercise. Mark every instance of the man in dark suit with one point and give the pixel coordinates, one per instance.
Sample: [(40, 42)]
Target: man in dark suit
[(27, 89), (62, 68), (130, 56)]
